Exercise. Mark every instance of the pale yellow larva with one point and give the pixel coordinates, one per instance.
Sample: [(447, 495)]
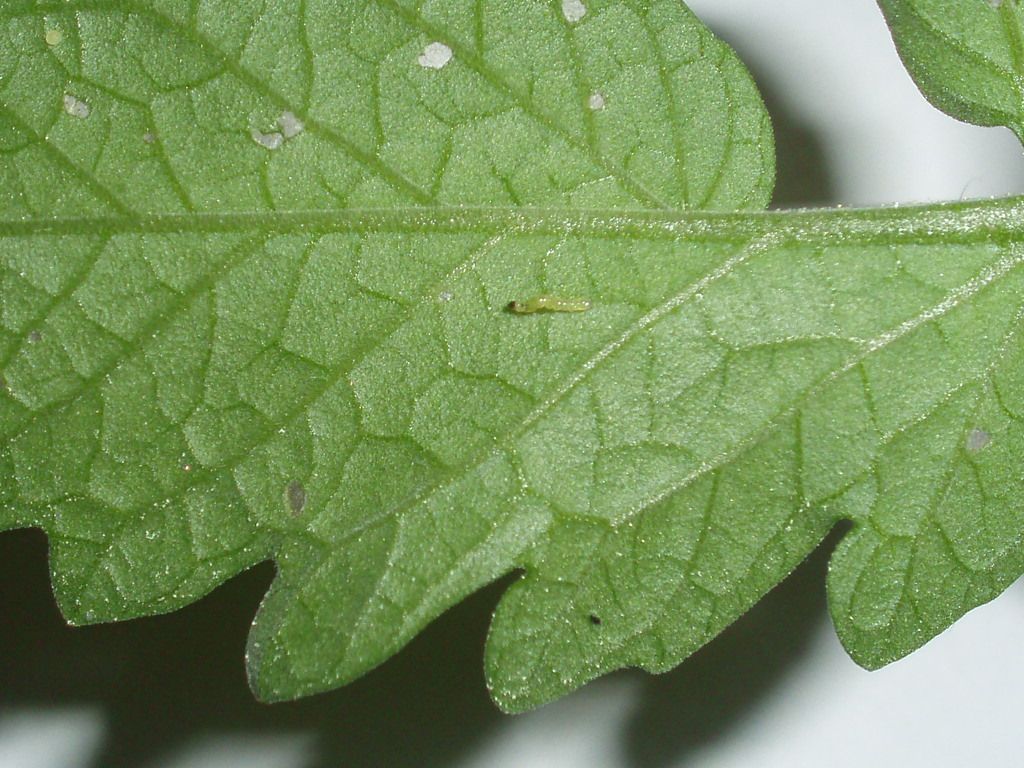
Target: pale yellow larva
[(546, 303)]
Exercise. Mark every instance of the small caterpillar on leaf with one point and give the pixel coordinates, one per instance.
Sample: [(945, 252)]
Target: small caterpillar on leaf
[(545, 303)]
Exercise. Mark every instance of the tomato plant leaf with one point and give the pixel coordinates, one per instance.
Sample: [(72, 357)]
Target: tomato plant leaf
[(257, 263)]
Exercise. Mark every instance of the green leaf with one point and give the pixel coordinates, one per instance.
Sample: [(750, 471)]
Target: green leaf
[(256, 264), (967, 56)]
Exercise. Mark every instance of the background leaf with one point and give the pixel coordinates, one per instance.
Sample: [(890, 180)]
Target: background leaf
[(966, 55)]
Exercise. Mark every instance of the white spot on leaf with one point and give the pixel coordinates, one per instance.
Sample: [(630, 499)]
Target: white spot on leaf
[(435, 56), (53, 37), (271, 140), (75, 107), (573, 10), (290, 125), (977, 439), (596, 101)]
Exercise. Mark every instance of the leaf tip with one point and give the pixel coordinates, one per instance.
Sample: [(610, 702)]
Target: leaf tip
[(266, 686)]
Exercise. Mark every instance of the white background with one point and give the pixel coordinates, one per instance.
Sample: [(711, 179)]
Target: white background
[(777, 690)]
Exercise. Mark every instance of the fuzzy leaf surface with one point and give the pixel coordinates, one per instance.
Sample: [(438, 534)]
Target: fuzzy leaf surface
[(253, 306)]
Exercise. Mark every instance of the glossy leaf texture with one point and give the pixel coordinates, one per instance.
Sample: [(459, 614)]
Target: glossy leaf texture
[(254, 306), (967, 56)]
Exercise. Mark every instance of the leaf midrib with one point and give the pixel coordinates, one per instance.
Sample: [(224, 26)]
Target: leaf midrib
[(999, 221)]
